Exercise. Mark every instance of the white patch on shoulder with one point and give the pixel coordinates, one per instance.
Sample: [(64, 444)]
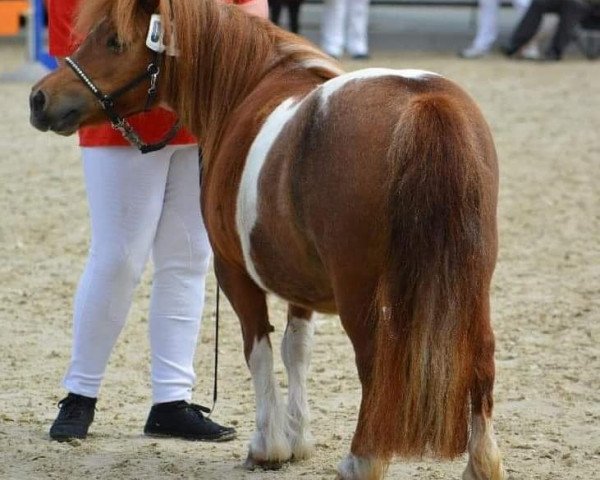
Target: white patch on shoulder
[(247, 200), (337, 83)]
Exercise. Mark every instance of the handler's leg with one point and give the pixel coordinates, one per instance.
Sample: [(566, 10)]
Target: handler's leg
[(181, 255), (125, 195)]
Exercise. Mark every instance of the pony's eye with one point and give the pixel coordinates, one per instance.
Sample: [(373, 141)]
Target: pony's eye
[(114, 44)]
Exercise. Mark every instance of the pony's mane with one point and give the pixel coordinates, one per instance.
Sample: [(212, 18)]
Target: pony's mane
[(222, 53)]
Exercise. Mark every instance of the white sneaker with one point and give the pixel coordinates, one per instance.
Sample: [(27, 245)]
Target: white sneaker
[(474, 52), (531, 51)]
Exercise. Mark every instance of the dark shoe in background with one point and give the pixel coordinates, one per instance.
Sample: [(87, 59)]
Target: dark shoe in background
[(75, 417), (509, 50), (185, 420), (552, 55)]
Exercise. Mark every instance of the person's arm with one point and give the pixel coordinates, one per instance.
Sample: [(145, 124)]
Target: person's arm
[(60, 21), (260, 8)]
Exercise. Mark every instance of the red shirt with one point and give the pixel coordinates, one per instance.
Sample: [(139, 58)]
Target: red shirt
[(151, 126)]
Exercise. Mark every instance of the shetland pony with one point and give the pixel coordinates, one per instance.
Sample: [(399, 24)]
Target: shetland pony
[(370, 194)]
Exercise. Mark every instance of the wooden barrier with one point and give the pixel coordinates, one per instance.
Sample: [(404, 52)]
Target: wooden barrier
[(10, 15)]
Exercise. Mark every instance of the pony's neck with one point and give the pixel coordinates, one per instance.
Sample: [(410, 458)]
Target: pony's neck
[(223, 54)]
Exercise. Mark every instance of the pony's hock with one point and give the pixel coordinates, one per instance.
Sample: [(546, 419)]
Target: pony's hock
[(370, 194)]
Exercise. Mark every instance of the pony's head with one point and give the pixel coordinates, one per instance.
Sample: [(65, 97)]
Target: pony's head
[(220, 55), (112, 60)]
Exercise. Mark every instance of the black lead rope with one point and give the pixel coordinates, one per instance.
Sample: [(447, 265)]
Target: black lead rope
[(216, 351), (209, 411), (217, 304)]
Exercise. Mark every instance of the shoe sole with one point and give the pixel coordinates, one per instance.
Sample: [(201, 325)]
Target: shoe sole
[(223, 438), (67, 438)]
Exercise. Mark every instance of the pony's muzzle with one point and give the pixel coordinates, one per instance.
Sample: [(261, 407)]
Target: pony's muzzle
[(62, 118), (37, 106)]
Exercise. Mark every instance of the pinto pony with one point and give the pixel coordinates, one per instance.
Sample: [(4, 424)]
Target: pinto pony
[(371, 194)]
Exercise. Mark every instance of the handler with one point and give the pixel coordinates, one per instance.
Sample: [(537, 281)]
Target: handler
[(139, 205)]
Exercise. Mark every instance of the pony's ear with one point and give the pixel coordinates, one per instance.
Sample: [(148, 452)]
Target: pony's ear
[(149, 6)]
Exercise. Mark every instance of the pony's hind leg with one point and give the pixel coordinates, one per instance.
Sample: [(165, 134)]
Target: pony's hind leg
[(296, 350), (270, 445), (364, 461), (360, 468), (485, 460)]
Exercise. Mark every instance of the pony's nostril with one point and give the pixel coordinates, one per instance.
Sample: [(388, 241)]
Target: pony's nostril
[(38, 101)]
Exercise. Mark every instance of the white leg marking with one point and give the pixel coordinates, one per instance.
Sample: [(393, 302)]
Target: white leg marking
[(359, 468), (485, 461), (337, 83), (247, 200), (270, 440), (296, 350)]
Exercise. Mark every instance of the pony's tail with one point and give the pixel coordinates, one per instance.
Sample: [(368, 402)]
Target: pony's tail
[(417, 401)]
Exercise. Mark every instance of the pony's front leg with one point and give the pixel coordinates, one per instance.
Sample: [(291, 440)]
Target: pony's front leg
[(296, 350), (270, 445)]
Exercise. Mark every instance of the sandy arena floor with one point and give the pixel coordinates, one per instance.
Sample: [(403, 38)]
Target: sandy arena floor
[(546, 300)]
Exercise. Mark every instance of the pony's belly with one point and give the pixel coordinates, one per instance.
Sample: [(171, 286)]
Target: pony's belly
[(277, 256), (285, 267)]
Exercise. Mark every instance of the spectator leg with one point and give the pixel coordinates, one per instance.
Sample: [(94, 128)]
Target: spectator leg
[(275, 11), (332, 27), (530, 23), (570, 14), (358, 25), (294, 9), (487, 24)]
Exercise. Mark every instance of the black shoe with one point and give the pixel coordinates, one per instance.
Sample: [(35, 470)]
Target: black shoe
[(361, 56), (509, 50), (75, 417), (551, 55), (185, 420)]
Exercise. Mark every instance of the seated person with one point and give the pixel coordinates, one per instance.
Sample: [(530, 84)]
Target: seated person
[(570, 13)]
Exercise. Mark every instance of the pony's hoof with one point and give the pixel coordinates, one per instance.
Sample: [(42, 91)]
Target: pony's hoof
[(253, 464), (495, 473)]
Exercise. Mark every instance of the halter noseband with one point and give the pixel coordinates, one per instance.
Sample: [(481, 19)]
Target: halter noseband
[(107, 101)]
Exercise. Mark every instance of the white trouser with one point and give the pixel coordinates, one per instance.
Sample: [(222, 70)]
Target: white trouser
[(487, 21), (345, 23), (141, 204)]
